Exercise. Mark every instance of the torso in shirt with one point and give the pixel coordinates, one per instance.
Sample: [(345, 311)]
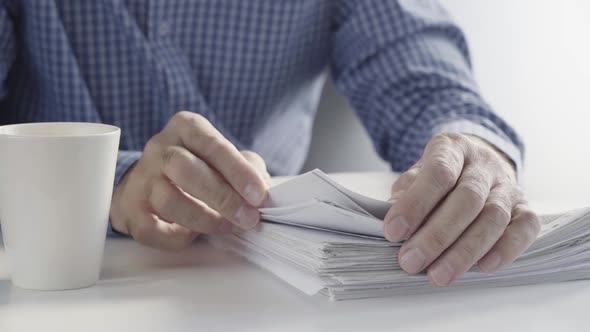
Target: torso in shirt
[(255, 69)]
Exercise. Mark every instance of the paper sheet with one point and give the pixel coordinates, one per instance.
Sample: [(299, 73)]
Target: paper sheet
[(314, 200)]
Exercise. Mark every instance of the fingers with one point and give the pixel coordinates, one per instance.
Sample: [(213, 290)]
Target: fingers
[(476, 241), (442, 164), (519, 235), (189, 180), (202, 139), (458, 206), (404, 182), (448, 222), (196, 178), (147, 229), (170, 203)]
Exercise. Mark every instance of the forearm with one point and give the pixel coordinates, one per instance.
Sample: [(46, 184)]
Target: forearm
[(452, 112), (411, 79)]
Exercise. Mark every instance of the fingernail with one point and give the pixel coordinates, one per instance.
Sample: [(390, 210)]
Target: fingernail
[(442, 275), (413, 260), (397, 229), (254, 193), (247, 216), (491, 263)]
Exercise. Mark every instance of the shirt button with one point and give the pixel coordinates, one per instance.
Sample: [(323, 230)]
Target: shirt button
[(164, 29)]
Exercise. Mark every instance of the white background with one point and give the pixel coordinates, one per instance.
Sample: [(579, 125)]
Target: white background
[(532, 60)]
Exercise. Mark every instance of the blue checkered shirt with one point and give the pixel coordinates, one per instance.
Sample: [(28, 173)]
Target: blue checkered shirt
[(254, 68)]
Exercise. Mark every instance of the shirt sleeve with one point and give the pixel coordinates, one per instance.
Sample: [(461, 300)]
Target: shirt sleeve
[(405, 68), (125, 159)]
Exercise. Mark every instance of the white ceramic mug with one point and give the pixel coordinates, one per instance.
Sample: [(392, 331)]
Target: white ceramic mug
[(56, 182)]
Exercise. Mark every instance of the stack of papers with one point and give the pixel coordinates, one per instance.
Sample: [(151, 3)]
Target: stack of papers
[(323, 238)]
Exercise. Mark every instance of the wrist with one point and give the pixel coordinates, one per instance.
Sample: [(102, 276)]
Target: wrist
[(117, 215)]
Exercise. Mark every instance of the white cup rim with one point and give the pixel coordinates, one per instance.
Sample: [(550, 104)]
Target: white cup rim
[(57, 130)]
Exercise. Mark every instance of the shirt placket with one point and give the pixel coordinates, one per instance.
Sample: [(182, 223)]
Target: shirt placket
[(158, 24)]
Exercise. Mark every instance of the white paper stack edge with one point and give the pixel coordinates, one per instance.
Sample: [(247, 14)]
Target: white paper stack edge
[(324, 238)]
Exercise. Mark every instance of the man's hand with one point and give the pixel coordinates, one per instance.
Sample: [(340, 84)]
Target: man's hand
[(189, 180), (458, 206)]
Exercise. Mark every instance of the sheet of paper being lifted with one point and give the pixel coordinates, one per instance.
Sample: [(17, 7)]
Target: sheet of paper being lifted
[(313, 200)]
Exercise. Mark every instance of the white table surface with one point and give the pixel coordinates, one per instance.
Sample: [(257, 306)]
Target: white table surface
[(203, 288)]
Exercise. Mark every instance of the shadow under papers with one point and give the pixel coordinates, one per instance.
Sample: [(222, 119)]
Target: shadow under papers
[(5, 288)]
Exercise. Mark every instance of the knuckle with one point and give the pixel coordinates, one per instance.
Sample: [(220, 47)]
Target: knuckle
[(408, 176), (182, 118), (412, 172), (444, 174), (152, 146), (187, 121), (404, 180), (486, 155), (498, 209), (463, 256), (455, 137), (437, 240), (442, 139), (496, 215), (517, 194), (475, 191), (176, 164), (197, 118), (209, 142), (452, 140)]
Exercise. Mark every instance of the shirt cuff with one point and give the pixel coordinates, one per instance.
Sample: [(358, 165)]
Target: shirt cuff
[(125, 160), (503, 144)]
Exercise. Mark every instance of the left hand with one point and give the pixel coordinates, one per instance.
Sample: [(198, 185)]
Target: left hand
[(459, 205)]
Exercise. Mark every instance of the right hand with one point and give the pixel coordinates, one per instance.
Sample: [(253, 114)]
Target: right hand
[(189, 180)]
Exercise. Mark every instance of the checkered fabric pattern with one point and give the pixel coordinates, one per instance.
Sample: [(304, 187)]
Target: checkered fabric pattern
[(254, 68)]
